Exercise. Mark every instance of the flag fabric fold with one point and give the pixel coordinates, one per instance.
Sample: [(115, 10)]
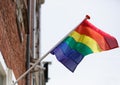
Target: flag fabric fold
[(83, 40)]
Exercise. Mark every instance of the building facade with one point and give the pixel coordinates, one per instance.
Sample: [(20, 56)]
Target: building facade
[(12, 42), (20, 43)]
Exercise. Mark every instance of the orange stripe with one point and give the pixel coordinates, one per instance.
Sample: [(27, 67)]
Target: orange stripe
[(93, 34)]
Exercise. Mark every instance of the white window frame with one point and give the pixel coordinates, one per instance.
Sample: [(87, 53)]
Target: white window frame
[(7, 73)]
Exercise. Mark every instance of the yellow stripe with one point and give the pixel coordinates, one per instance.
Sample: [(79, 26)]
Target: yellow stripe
[(91, 43)]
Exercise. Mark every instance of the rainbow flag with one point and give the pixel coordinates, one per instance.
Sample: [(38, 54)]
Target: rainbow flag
[(84, 40)]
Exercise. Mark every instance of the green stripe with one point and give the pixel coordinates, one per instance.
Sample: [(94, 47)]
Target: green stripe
[(80, 47)]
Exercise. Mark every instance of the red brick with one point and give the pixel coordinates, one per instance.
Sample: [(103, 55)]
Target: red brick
[(12, 49)]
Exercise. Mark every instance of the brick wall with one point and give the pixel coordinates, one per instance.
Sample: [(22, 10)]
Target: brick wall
[(10, 46)]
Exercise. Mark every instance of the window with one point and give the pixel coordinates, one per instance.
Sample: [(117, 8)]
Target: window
[(6, 75)]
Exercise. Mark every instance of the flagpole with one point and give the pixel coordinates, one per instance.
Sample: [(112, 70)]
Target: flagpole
[(40, 59)]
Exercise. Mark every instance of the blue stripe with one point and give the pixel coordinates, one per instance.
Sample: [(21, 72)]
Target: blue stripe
[(67, 56), (71, 53), (67, 62)]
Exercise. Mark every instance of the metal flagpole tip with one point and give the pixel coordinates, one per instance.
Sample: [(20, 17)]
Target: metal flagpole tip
[(87, 17)]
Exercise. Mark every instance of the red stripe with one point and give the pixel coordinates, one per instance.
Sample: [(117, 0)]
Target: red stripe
[(104, 40)]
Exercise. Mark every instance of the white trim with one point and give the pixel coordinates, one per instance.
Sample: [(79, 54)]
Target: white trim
[(11, 78), (7, 73), (3, 67)]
